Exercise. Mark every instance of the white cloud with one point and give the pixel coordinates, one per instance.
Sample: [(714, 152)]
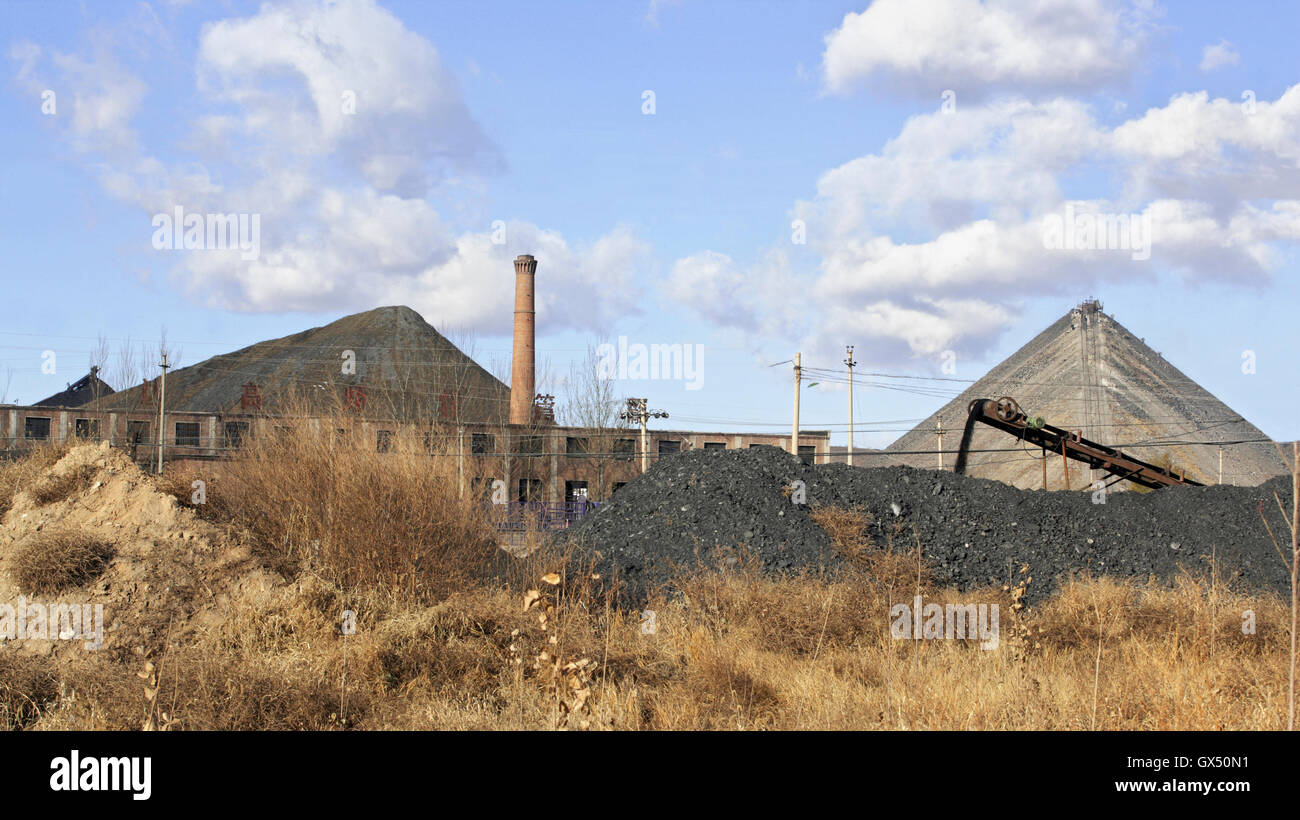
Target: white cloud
[(935, 242), (343, 198), (927, 46), (408, 121), (1218, 55)]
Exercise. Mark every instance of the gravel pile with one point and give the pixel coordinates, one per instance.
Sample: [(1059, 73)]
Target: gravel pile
[(703, 507)]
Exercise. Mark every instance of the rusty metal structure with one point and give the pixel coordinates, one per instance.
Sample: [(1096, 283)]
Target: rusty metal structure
[(1005, 414)]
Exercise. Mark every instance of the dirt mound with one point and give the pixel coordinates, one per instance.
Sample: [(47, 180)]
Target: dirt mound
[(169, 572), (710, 508)]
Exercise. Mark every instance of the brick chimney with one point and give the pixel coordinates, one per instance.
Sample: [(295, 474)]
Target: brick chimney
[(523, 378)]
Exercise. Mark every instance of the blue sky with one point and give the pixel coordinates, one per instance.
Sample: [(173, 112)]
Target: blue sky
[(922, 222)]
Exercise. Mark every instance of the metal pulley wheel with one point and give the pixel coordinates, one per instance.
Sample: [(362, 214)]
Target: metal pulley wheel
[(1008, 410)]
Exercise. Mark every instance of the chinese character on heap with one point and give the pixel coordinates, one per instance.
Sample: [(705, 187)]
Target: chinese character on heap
[(354, 398), (251, 398)]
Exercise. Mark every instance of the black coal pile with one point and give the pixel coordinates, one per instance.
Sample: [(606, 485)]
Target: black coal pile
[(716, 507)]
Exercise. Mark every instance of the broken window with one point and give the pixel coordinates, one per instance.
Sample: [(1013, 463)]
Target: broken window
[(86, 428), (187, 434), (137, 432), (482, 444), (575, 491), (530, 489), (384, 441), (715, 445), (37, 427), (807, 452), (236, 432), (625, 448), (529, 445), (668, 447)]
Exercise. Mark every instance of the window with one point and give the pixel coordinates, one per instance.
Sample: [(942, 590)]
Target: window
[(667, 447), (807, 452), (384, 441), (36, 427), (187, 434), (575, 491), (618, 485), (530, 445), (86, 428), (573, 445), (625, 448), (236, 432), (482, 444), (530, 489), (137, 432), (715, 445)]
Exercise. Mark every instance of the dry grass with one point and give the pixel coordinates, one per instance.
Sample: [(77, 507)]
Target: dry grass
[(312, 499), (448, 646), (735, 652), (27, 688), (59, 558), (57, 487), (25, 472)]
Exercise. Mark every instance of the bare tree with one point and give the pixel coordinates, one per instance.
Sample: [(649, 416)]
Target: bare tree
[(589, 403), (589, 399), (127, 367), (153, 359), (98, 359)]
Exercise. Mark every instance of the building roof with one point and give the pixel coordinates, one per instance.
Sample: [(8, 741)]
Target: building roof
[(83, 391)]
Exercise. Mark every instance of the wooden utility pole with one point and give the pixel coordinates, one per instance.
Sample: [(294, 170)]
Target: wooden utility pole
[(794, 435), (1220, 465), (1044, 449), (162, 409), (938, 431), (848, 360)]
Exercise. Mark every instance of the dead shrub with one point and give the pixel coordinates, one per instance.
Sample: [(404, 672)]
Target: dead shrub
[(363, 519), (59, 558), (888, 571), (22, 472), (27, 689), (60, 486)]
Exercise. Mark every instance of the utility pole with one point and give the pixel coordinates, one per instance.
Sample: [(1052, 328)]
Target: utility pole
[(794, 435), (848, 360), (162, 409), (637, 411), (1220, 464), (939, 432)]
